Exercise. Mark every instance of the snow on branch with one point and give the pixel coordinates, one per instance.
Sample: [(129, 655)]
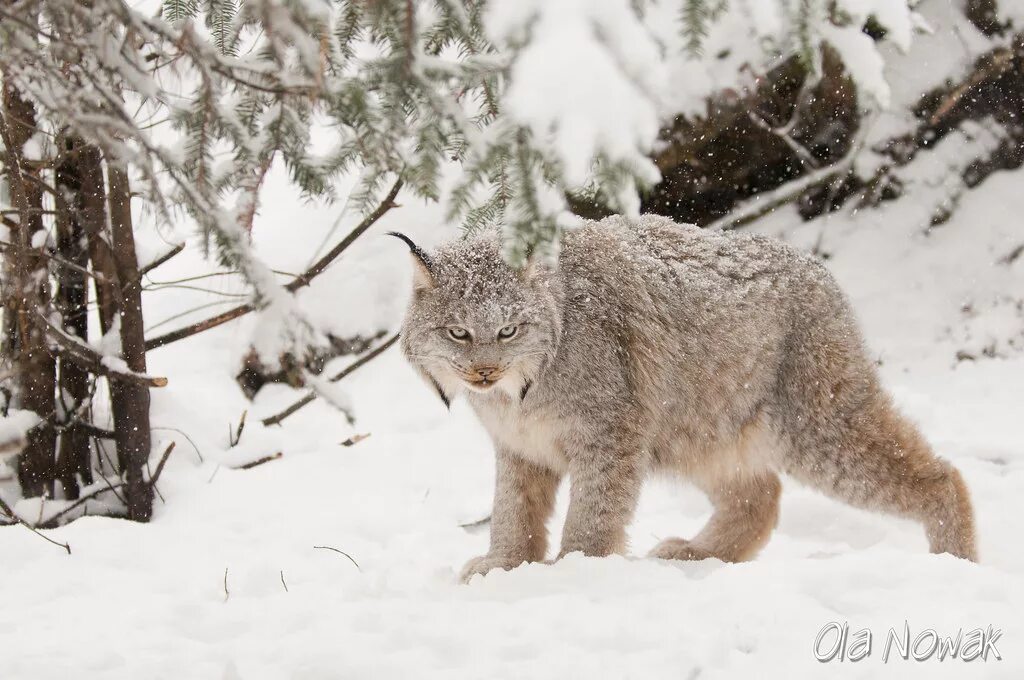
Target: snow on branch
[(78, 352), (537, 100)]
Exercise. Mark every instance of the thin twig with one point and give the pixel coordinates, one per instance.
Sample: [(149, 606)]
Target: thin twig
[(237, 437), (227, 593), (81, 501), (260, 461), (1000, 62), (762, 204), (113, 487), (311, 396), (327, 547), (478, 523), (282, 581), (782, 133), (160, 260), (160, 466), (10, 513), (183, 434), (85, 356), (299, 281)]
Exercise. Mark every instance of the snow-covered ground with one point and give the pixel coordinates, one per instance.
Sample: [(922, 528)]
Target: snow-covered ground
[(227, 581)]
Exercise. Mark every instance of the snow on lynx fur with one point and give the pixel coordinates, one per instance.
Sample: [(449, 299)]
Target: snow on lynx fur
[(657, 347)]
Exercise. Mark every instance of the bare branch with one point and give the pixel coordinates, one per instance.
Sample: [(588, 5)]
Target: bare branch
[(234, 438), (260, 461), (81, 501), (783, 133), (160, 465), (160, 260), (300, 281), (85, 356), (763, 204), (6, 509), (312, 395)]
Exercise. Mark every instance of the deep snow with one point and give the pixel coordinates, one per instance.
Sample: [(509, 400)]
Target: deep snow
[(149, 601)]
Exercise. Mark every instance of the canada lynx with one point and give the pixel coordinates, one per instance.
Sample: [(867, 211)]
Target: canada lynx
[(654, 346)]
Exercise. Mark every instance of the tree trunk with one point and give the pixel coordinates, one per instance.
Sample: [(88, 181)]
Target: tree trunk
[(26, 294), (129, 401), (74, 454)]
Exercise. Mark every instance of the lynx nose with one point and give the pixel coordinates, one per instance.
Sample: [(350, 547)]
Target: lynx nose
[(486, 371)]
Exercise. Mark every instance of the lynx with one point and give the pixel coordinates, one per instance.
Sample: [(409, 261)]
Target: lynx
[(651, 346)]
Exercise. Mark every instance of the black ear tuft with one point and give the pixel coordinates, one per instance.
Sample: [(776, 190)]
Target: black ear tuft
[(424, 274), (420, 254)]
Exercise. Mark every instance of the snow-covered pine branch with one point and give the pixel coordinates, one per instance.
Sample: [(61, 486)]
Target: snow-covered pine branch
[(536, 100)]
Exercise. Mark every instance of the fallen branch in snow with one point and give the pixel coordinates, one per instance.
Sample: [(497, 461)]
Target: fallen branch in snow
[(260, 461), (327, 547), (234, 438), (227, 593), (160, 465), (255, 375), (311, 396), (1012, 256), (282, 581), (299, 281), (477, 524), (324, 390), (6, 509), (112, 488), (995, 64), (355, 439), (83, 355)]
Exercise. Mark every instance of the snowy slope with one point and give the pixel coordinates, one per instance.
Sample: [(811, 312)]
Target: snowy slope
[(150, 601)]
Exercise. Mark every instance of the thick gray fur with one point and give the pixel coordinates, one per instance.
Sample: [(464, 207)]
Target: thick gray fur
[(657, 347)]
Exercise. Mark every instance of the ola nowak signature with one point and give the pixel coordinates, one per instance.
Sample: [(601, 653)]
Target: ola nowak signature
[(837, 642)]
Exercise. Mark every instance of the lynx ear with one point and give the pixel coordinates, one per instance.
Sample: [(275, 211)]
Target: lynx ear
[(537, 265), (423, 274)]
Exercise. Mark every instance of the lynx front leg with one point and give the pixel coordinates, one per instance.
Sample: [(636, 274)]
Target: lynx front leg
[(524, 496), (604, 493)]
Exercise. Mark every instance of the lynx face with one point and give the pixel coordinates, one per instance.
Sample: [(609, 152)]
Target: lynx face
[(476, 324)]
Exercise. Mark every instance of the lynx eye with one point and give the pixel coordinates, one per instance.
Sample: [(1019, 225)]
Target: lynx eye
[(458, 333), (508, 332)]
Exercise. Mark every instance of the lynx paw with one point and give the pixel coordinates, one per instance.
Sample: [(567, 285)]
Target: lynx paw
[(485, 563), (678, 549)]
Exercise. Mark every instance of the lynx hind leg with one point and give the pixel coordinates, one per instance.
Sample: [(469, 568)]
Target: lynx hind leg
[(873, 458), (746, 510)]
